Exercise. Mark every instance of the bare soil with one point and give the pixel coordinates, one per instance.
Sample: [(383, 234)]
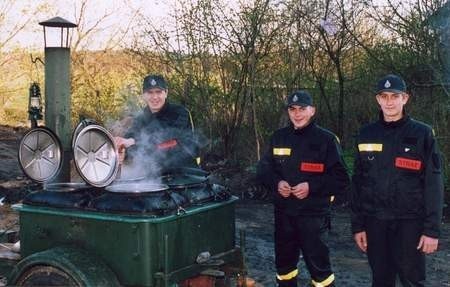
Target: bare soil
[(253, 215), (350, 265)]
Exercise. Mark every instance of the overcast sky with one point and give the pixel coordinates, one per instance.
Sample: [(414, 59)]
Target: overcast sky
[(121, 13)]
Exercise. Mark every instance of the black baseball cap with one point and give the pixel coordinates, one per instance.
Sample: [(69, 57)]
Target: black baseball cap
[(391, 83), (154, 81), (299, 98)]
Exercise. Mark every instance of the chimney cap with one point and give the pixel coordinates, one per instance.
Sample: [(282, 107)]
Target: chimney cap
[(58, 22)]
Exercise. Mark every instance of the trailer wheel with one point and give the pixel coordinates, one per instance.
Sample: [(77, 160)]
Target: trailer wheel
[(41, 275), (62, 266)]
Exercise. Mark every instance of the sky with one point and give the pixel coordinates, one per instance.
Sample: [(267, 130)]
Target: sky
[(120, 14)]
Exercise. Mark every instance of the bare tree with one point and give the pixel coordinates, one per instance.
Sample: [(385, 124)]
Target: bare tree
[(218, 50), (96, 79), (14, 20)]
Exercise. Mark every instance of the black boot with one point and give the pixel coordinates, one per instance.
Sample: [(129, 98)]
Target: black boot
[(287, 283)]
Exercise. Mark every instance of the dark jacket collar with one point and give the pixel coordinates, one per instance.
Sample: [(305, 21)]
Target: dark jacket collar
[(158, 114), (394, 124), (303, 130)]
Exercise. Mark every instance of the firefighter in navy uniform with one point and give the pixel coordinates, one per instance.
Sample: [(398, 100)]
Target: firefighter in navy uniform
[(397, 195), (304, 168), (162, 132)]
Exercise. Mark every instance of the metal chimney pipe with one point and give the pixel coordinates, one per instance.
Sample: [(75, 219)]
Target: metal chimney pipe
[(58, 102), (57, 90)]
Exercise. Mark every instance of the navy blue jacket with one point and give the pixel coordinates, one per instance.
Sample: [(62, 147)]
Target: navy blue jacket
[(311, 154), (397, 174), (164, 139)]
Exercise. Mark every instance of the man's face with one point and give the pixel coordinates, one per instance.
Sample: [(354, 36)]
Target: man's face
[(392, 105), (155, 99), (300, 116)]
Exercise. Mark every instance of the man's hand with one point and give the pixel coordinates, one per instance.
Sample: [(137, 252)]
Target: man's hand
[(361, 240), (122, 145), (301, 190), (124, 142), (122, 153), (284, 188), (427, 244)]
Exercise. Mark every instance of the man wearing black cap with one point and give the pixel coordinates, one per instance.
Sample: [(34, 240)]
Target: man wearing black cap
[(162, 135), (304, 168), (398, 190)]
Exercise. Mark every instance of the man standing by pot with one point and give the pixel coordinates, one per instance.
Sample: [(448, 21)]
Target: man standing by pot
[(398, 190), (304, 168), (162, 134)]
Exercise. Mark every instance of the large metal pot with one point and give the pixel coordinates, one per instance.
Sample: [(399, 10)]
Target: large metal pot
[(184, 177), (137, 188), (65, 186), (149, 198)]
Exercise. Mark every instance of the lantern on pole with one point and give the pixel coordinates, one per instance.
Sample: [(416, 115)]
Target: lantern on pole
[(34, 104)]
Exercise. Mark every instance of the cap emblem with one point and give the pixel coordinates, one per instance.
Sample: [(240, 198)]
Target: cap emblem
[(153, 82), (294, 98), (387, 85)]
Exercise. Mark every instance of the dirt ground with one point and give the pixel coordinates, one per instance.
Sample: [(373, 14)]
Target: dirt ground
[(350, 265), (253, 216)]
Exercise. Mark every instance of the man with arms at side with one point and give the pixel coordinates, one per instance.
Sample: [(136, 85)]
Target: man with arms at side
[(397, 194)]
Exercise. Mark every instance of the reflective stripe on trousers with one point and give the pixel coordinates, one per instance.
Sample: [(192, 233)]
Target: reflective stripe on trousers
[(325, 282), (288, 276)]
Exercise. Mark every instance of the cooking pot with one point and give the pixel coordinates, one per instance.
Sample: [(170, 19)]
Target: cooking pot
[(137, 188), (184, 177), (65, 186)]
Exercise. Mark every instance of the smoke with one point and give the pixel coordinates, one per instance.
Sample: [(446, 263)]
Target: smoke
[(159, 148)]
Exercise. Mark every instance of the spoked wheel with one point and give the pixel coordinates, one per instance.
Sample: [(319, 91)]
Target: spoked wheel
[(42, 275)]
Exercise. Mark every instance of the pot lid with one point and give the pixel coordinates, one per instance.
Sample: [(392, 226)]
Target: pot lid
[(182, 177), (183, 180), (81, 125), (130, 180), (136, 187), (40, 154), (95, 156), (186, 170), (65, 186)]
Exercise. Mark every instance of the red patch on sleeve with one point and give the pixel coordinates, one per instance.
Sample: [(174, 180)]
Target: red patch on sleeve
[(407, 163), (167, 144), (312, 167)]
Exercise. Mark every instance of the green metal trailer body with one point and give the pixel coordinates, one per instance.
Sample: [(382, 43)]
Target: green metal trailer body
[(140, 250)]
